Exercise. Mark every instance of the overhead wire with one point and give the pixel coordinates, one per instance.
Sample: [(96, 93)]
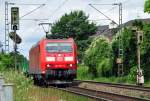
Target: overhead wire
[(101, 4), (125, 1), (34, 30), (60, 6), (20, 18), (110, 9), (103, 14), (97, 19), (41, 5), (24, 4), (33, 10), (34, 19)]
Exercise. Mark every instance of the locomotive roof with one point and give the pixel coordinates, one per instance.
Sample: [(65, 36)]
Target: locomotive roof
[(66, 40), (53, 40)]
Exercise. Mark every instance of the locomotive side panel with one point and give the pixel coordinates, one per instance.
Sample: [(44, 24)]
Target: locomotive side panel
[(34, 64), (42, 56)]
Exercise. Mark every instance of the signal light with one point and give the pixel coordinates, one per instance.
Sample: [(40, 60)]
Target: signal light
[(14, 18), (140, 37), (12, 35)]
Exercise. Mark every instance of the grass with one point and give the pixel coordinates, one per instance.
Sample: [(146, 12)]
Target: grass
[(24, 90), (84, 75), (21, 84), (147, 84)]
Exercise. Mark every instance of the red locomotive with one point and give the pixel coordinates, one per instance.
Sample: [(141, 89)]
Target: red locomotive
[(53, 59)]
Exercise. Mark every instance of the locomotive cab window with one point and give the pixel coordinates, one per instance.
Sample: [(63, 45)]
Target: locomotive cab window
[(59, 47)]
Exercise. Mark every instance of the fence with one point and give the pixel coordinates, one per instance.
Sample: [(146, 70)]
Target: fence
[(6, 90)]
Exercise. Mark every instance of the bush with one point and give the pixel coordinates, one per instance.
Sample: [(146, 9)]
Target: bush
[(98, 57), (82, 73), (132, 75), (6, 61), (82, 45)]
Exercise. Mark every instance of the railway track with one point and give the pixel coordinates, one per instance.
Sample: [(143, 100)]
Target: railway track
[(100, 95), (104, 95), (124, 86)]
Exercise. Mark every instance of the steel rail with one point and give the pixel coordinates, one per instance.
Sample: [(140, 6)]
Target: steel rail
[(100, 95), (81, 94), (106, 95), (117, 85)]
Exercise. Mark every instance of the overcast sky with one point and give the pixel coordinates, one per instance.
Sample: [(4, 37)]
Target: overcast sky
[(31, 32)]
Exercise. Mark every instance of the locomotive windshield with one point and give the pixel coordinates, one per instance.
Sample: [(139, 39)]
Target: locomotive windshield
[(59, 47)]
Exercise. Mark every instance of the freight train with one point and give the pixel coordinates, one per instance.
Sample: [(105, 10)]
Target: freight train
[(51, 60)]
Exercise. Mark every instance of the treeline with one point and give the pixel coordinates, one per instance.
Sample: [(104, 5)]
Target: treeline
[(101, 55), (7, 61)]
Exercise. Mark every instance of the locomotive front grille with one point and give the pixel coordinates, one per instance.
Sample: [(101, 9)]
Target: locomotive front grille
[(59, 73)]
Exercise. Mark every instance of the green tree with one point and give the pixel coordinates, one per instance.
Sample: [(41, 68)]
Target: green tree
[(74, 25), (147, 6), (22, 62), (98, 57), (145, 52), (138, 24), (7, 61), (129, 50)]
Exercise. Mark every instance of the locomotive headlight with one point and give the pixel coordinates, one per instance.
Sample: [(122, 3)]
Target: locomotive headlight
[(43, 72), (68, 58), (48, 65), (50, 58), (71, 65)]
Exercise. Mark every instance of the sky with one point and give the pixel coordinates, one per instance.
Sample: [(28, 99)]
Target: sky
[(31, 32)]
